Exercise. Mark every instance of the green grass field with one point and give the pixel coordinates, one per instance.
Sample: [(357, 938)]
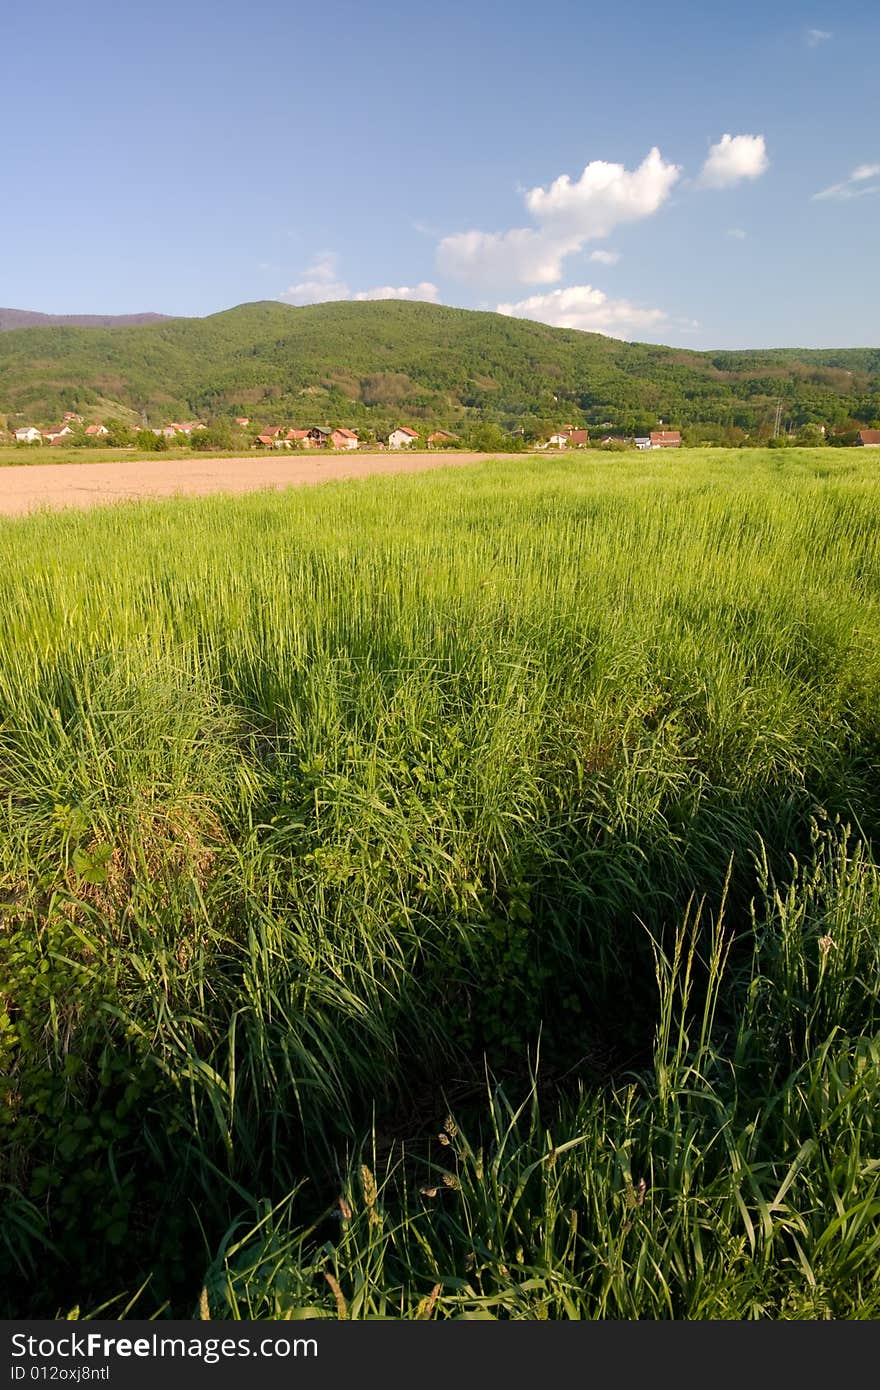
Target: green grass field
[(452, 895)]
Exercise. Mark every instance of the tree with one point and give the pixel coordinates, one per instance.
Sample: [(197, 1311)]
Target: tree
[(491, 439), (810, 436), (119, 435), (219, 434), (150, 442)]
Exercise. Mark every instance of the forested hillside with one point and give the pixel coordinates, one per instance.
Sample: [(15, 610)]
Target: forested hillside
[(370, 363)]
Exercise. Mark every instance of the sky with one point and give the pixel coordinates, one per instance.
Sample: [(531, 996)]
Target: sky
[(681, 173)]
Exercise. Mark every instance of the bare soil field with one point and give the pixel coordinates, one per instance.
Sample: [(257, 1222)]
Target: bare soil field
[(30, 487)]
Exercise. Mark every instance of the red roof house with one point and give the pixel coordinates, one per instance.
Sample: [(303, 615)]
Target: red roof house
[(869, 439), (665, 439), (402, 436)]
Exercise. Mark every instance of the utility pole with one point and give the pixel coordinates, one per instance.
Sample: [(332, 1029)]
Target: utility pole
[(778, 421)]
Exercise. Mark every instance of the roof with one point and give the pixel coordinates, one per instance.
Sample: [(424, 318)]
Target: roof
[(95, 429), (578, 436), (441, 434), (297, 434), (404, 429), (267, 438), (869, 436), (346, 434), (665, 437)]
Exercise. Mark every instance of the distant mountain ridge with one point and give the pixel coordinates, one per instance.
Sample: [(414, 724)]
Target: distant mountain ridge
[(30, 318), (379, 363)]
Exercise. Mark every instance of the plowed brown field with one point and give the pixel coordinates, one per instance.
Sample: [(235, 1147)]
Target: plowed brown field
[(27, 488)]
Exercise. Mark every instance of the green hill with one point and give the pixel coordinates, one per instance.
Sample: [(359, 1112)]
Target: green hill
[(382, 361)]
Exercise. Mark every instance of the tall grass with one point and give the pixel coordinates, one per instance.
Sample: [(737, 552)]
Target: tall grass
[(318, 809)]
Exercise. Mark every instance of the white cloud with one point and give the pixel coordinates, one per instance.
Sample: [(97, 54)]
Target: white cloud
[(321, 283), (737, 233), (817, 36), (857, 185), (529, 256), (582, 306), (605, 257), (604, 196), (424, 290), (734, 158), (568, 213)]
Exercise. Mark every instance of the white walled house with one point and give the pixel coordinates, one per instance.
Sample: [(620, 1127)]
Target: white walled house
[(401, 438), (28, 434)]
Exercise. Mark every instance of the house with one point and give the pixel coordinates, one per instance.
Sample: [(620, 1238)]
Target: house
[(299, 438), (442, 437), (401, 437), (559, 439), (643, 441), (344, 439), (242, 420), (28, 434), (271, 438), (665, 439), (318, 437), (70, 415), (869, 439), (186, 427), (56, 433), (94, 431), (578, 439)]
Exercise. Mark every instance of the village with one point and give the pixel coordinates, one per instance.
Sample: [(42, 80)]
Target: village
[(74, 430)]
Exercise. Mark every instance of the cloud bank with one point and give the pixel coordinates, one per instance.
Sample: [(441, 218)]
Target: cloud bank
[(586, 308), (322, 283), (423, 290)]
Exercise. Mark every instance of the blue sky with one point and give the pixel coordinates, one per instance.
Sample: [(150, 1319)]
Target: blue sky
[(678, 173)]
